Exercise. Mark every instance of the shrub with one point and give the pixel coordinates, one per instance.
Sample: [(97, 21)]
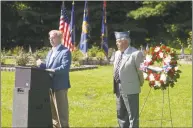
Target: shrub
[(110, 52), (77, 55), (75, 64), (42, 53), (100, 55), (189, 41), (16, 50), (93, 51), (39, 54), (22, 59), (3, 53), (2, 59), (8, 53), (34, 58)]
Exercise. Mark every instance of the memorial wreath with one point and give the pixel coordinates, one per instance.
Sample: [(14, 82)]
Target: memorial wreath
[(160, 67)]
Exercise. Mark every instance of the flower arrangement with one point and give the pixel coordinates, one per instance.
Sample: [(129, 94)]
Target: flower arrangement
[(160, 67)]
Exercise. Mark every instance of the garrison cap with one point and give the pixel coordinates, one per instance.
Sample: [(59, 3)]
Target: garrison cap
[(119, 35)]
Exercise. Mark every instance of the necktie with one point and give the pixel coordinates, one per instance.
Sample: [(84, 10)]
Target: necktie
[(116, 77)]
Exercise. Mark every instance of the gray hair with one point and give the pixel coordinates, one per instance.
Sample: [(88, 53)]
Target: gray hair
[(56, 33)]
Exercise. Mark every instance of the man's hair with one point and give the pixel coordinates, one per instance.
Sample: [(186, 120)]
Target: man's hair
[(56, 33)]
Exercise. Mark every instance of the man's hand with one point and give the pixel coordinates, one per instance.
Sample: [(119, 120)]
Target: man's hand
[(38, 62), (50, 70)]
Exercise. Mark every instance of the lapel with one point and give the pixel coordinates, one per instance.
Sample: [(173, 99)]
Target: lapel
[(126, 57), (57, 53)]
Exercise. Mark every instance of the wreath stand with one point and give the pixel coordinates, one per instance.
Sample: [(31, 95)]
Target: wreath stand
[(163, 92)]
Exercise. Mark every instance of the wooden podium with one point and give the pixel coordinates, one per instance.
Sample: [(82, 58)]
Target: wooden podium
[(31, 101)]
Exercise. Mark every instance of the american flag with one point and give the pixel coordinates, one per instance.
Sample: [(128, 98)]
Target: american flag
[(65, 29)]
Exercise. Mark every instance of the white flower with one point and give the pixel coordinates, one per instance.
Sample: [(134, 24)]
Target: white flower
[(157, 49), (167, 59), (157, 83), (161, 54), (148, 58), (145, 75), (163, 78), (176, 68), (151, 77)]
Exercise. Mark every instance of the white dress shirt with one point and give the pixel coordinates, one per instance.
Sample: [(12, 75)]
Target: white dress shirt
[(54, 49)]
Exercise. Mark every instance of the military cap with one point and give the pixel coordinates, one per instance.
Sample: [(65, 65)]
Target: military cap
[(119, 35)]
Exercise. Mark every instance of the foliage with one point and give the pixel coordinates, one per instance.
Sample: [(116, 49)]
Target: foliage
[(186, 51), (189, 41), (3, 53), (100, 55), (110, 52), (151, 8), (75, 64), (41, 53), (165, 20), (22, 59), (77, 55), (168, 19), (2, 59), (92, 52), (9, 53), (34, 58), (16, 50)]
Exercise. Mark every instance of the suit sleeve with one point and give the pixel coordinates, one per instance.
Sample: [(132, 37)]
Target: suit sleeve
[(138, 60), (66, 62)]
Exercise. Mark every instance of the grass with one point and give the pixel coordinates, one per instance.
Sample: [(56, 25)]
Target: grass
[(186, 51), (10, 61), (92, 103)]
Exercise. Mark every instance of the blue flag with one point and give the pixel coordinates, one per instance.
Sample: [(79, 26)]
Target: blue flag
[(72, 25), (104, 30), (85, 30)]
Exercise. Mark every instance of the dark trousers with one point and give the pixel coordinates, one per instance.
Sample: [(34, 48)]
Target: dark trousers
[(127, 109)]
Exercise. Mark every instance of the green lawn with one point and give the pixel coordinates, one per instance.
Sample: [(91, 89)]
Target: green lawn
[(10, 61), (186, 51), (92, 103)]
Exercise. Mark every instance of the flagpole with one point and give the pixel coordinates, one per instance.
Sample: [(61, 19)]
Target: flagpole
[(62, 3), (104, 42), (74, 28)]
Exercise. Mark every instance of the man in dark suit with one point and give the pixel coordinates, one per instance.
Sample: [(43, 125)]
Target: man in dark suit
[(58, 61)]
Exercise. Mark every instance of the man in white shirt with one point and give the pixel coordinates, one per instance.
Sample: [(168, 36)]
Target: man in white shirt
[(58, 61)]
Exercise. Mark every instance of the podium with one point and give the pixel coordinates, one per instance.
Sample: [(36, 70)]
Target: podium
[(31, 101)]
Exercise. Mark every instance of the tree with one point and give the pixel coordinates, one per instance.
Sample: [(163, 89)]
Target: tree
[(168, 19)]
